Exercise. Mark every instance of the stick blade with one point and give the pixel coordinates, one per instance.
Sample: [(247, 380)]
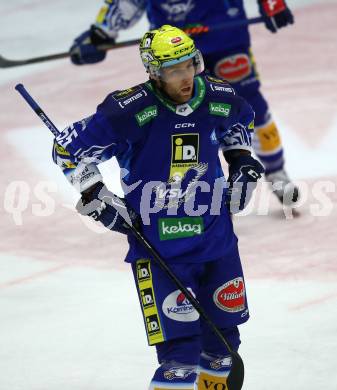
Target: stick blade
[(5, 63), (237, 373)]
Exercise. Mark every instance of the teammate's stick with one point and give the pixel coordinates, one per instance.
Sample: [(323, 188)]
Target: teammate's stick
[(191, 30), (236, 375)]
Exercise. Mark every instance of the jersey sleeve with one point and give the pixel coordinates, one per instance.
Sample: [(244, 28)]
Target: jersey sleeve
[(80, 147), (240, 132), (118, 15)]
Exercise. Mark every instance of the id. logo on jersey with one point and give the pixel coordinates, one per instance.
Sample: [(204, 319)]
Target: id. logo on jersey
[(147, 297), (143, 271), (230, 297), (185, 152), (152, 325), (148, 301)]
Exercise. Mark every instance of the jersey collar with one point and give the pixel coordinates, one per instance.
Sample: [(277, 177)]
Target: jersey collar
[(186, 108)]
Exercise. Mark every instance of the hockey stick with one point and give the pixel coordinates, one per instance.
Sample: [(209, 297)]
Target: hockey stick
[(236, 375), (192, 30)]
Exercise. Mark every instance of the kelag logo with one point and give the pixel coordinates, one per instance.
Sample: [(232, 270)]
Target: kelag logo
[(173, 228), (177, 307), (220, 109), (146, 115)]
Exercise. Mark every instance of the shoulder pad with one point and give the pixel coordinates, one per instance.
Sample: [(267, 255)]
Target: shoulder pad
[(129, 95)]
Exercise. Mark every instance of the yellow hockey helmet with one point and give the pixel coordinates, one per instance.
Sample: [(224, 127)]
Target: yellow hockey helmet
[(168, 46)]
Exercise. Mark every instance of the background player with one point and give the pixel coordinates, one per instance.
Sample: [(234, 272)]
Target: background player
[(227, 54), (167, 133)]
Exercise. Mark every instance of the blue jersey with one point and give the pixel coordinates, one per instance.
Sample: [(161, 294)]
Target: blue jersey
[(169, 155), (121, 14)]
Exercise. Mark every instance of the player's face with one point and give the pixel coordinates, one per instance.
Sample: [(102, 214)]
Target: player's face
[(177, 81)]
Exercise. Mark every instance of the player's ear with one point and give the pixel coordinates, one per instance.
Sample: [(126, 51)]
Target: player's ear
[(156, 80)]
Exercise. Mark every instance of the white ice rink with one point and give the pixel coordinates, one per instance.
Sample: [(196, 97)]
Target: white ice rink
[(69, 313)]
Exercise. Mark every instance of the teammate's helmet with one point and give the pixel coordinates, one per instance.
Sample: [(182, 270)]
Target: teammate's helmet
[(168, 46)]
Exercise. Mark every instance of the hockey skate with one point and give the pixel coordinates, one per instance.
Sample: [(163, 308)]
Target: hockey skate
[(286, 191)]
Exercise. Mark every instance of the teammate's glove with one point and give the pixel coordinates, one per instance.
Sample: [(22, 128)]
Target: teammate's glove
[(112, 211), (244, 172), (84, 49), (276, 14)]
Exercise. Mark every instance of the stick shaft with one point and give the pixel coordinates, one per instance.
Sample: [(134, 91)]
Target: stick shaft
[(38, 110), (194, 31)]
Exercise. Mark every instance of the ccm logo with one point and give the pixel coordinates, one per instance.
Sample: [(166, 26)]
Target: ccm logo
[(180, 125)]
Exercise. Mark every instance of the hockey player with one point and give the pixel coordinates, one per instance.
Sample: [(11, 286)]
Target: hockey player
[(227, 55), (166, 134)]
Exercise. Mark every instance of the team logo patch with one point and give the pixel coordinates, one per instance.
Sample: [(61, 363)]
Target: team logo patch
[(221, 363), (234, 68), (178, 373), (177, 307), (180, 187), (230, 297)]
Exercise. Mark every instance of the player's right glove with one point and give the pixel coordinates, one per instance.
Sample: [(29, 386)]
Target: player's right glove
[(244, 172), (276, 14), (112, 211), (84, 49)]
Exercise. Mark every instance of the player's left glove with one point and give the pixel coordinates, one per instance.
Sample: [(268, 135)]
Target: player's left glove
[(84, 49), (276, 14), (244, 172)]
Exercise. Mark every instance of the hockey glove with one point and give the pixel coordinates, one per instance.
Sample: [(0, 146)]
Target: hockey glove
[(112, 211), (244, 172), (276, 14), (84, 49)]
